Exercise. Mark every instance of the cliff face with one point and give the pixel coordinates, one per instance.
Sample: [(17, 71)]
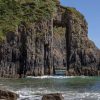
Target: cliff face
[(80, 54), (57, 42)]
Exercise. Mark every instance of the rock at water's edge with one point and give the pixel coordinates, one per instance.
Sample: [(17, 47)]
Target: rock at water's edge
[(7, 95), (56, 96)]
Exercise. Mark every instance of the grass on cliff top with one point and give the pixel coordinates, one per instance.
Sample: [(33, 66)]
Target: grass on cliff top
[(12, 12), (74, 11)]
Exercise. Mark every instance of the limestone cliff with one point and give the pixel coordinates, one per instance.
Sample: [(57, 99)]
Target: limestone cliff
[(42, 46)]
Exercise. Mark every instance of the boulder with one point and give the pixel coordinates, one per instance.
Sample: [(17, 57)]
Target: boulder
[(7, 95), (56, 96)]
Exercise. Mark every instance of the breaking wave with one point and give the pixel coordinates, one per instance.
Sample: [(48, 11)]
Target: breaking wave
[(68, 95), (54, 77)]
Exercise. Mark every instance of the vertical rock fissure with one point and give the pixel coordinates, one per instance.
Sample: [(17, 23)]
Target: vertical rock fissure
[(68, 43), (23, 51)]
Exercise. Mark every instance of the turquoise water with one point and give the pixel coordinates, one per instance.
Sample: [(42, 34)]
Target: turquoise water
[(72, 88)]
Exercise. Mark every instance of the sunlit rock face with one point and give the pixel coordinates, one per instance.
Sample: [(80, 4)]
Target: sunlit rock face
[(59, 42)]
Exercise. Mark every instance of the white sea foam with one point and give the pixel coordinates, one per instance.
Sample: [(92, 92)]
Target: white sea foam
[(82, 96), (55, 77), (68, 95), (31, 95), (37, 93)]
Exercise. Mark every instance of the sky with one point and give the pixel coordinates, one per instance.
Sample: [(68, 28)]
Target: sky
[(91, 10)]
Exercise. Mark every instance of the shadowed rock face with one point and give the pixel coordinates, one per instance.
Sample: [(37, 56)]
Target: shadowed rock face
[(39, 48)]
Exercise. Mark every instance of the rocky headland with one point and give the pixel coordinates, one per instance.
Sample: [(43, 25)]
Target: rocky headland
[(37, 48)]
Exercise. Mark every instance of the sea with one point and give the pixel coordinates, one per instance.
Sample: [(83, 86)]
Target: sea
[(71, 87)]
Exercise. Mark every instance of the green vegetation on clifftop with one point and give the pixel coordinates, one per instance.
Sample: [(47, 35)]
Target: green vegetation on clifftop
[(72, 10), (12, 12)]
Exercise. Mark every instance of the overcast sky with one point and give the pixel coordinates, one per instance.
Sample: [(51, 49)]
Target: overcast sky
[(91, 11)]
